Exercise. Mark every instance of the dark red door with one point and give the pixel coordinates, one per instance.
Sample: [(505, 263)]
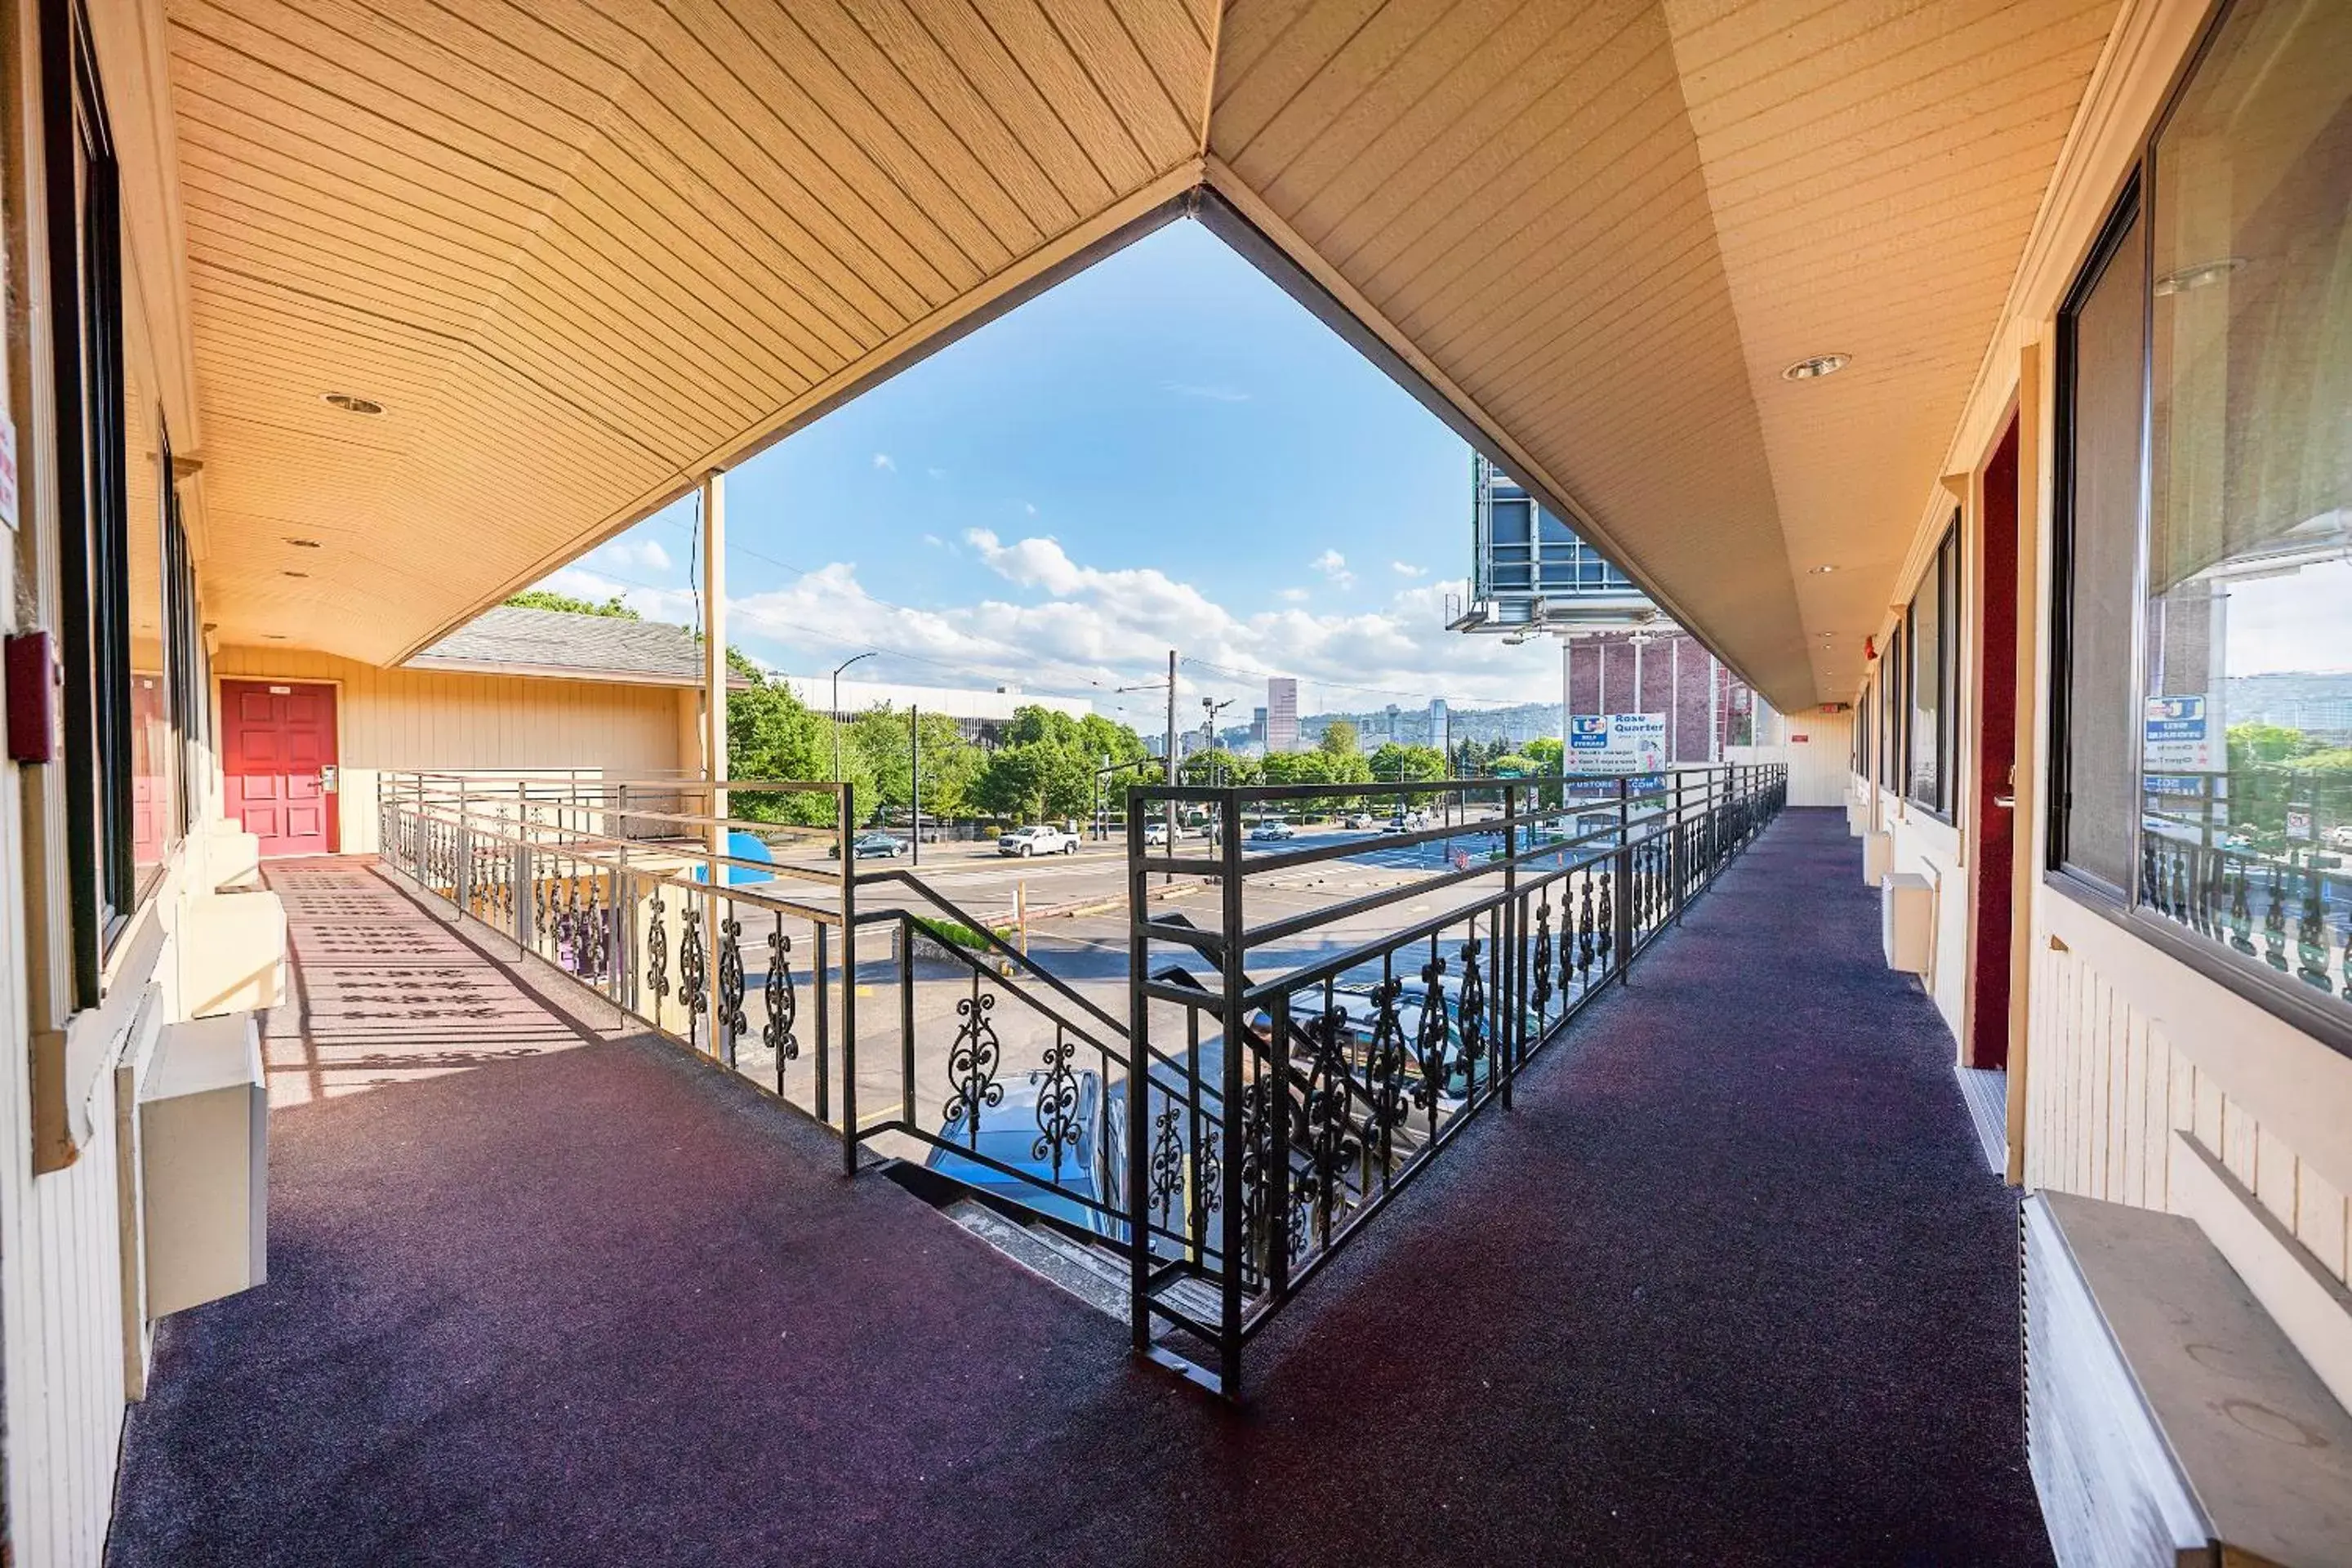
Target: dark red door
[(1988, 1043), (279, 760)]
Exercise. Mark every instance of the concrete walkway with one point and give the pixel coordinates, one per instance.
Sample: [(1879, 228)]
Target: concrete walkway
[(1730, 1286)]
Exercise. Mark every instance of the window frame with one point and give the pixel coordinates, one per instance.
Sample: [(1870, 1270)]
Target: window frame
[(89, 349), (1945, 562), (2281, 997)]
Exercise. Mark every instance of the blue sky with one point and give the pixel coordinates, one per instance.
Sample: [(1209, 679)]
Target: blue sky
[(1165, 450)]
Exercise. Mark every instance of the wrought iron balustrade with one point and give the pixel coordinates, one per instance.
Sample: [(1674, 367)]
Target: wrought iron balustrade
[(617, 884), (1302, 1069)]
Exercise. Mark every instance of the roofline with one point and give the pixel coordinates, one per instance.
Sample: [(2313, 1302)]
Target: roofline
[(431, 664)]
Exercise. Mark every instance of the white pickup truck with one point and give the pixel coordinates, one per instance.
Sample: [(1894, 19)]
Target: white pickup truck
[(1038, 839)]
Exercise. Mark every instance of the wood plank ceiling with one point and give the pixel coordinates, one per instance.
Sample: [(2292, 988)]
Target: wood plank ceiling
[(582, 248)]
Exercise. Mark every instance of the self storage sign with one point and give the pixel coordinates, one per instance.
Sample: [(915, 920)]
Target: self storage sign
[(2178, 738)]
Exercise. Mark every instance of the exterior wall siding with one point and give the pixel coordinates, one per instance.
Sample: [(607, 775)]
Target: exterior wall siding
[(415, 719)]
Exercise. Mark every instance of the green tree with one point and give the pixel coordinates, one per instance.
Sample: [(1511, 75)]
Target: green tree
[(771, 734), (1046, 767), (1217, 766), (1340, 739), (549, 599), (1394, 764), (882, 740), (2255, 743)]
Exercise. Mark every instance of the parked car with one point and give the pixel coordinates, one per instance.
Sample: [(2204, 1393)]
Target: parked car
[(1273, 832), (1155, 834), (1038, 839), (1009, 1137), (1362, 821), (872, 846)]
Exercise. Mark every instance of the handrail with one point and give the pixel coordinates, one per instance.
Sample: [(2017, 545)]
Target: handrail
[(1334, 1107)]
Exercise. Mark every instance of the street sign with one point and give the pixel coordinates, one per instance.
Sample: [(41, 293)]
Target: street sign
[(2298, 822)]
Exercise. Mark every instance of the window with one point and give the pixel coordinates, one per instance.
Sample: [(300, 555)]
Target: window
[(86, 268), (2100, 369), (1890, 684), (2208, 748), (1931, 621)]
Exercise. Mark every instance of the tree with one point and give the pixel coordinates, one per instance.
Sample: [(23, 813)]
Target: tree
[(1217, 766), (771, 734), (549, 599), (1046, 767), (1394, 764), (1340, 739), (2253, 744), (882, 739)]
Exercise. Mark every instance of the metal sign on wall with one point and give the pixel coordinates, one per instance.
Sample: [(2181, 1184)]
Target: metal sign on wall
[(1616, 742)]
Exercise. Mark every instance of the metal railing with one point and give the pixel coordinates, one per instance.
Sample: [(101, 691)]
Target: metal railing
[(1370, 1027), (1304, 1068), (756, 956)]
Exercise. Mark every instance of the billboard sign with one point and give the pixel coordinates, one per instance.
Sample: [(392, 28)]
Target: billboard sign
[(1616, 742), (2180, 739)]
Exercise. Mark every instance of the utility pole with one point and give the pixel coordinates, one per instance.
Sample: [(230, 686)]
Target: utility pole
[(1675, 699), (1172, 750), (915, 774)]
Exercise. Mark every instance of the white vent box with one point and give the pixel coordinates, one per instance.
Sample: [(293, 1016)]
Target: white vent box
[(1906, 911), (1877, 857), (203, 1115)]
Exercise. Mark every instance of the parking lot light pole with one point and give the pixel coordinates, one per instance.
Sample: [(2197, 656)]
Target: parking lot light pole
[(834, 713)]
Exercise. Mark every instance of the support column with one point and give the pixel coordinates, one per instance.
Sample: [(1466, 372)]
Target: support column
[(714, 647), (714, 743)]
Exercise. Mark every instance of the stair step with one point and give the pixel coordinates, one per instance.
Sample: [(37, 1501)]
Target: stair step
[(1097, 1278)]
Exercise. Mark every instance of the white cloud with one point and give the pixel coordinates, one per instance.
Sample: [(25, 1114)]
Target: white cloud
[(627, 554), (1403, 569), (1030, 507), (1334, 565), (1092, 628), (882, 460), (1212, 394)]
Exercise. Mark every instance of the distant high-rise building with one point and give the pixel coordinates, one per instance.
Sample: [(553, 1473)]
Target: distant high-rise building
[(1281, 714), (1393, 734), (1257, 728)]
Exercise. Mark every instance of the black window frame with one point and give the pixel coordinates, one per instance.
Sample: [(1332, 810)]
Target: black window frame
[(2058, 867), (1946, 563), (2280, 996), (85, 246)]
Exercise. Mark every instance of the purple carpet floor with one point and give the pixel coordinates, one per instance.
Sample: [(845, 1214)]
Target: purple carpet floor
[(1730, 1286)]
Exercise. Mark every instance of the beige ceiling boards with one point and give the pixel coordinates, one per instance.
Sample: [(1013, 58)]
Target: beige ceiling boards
[(579, 252)]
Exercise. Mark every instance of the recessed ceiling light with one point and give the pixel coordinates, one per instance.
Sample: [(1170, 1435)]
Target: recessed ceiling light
[(350, 404), (274, 637), (1823, 571), (1815, 368), (297, 573), (303, 543), (2197, 277)]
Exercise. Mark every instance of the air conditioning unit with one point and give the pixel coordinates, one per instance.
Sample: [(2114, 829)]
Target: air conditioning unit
[(1877, 857), (203, 1149), (2168, 1420), (1906, 920)]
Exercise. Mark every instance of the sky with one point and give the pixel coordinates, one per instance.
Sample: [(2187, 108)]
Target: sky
[(1165, 451)]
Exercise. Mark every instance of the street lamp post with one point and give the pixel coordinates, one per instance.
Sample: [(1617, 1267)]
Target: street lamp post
[(834, 713)]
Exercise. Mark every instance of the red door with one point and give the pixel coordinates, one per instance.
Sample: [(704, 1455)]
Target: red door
[(1988, 1043), (279, 760)]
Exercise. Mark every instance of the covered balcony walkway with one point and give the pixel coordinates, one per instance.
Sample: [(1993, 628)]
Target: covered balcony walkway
[(1730, 1285)]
